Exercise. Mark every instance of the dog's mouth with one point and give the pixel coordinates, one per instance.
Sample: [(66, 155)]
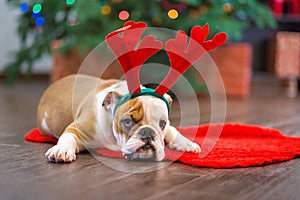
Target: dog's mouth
[(147, 149), (146, 152)]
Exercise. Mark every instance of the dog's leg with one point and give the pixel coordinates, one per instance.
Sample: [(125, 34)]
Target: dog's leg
[(175, 140), (66, 148)]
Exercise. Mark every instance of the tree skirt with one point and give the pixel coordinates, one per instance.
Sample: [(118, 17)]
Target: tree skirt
[(237, 145)]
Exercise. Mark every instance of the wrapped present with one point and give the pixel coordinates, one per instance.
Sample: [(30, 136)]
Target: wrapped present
[(234, 64), (287, 55)]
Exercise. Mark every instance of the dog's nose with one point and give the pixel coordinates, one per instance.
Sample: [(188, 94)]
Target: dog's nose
[(147, 134)]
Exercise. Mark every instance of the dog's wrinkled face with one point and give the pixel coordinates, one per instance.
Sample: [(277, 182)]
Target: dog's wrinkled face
[(139, 127)]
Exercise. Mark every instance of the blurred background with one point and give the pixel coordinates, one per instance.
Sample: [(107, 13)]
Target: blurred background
[(52, 37)]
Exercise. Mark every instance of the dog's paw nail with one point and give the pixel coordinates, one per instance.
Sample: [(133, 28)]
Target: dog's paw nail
[(70, 156), (196, 148), (51, 159), (59, 154)]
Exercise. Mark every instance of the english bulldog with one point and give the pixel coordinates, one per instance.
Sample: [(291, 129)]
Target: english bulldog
[(81, 112)]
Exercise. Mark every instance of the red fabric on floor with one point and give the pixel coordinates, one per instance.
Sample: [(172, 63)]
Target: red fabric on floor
[(35, 136), (237, 146)]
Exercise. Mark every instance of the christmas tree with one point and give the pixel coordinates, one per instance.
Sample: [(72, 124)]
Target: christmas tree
[(83, 24)]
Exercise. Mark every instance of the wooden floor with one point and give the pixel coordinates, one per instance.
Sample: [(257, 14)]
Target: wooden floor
[(26, 174)]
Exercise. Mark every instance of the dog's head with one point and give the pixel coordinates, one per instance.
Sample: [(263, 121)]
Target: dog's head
[(139, 126)]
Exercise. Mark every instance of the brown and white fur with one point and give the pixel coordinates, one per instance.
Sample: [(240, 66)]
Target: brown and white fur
[(83, 117)]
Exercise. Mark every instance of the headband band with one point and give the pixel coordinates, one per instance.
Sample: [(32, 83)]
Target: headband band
[(144, 92)]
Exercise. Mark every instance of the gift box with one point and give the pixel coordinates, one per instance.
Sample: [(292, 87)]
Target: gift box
[(287, 55), (234, 64)]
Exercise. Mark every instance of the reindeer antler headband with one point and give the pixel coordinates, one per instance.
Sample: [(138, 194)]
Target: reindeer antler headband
[(132, 52)]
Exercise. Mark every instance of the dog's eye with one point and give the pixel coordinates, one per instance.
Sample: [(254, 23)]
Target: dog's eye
[(128, 123), (162, 124)]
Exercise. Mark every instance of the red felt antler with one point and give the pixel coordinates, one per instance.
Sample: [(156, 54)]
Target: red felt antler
[(123, 42), (182, 56)]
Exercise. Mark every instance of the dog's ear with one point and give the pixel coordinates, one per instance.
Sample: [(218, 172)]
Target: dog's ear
[(110, 101), (169, 98)]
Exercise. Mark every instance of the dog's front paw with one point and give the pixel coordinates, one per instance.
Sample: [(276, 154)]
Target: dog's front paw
[(59, 153), (186, 145)]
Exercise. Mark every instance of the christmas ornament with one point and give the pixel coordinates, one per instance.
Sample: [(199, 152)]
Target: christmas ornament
[(24, 7), (105, 10), (123, 15), (37, 8), (39, 21), (70, 2), (173, 14)]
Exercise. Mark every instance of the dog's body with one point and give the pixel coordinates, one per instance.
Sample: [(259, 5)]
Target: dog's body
[(82, 116)]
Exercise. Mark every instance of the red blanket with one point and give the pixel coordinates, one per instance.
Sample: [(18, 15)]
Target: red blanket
[(237, 146)]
